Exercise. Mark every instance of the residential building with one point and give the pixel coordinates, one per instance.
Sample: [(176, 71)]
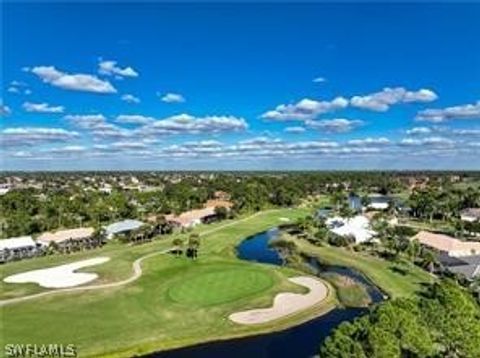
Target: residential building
[(62, 237), (122, 227), (17, 248), (447, 245), (357, 227)]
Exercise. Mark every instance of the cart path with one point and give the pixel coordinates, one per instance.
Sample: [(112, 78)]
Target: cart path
[(137, 269)]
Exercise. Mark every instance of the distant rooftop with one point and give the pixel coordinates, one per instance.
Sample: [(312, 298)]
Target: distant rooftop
[(123, 226), (17, 243), (63, 235), (447, 244)]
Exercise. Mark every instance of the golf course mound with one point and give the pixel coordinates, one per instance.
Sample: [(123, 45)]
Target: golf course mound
[(221, 286)]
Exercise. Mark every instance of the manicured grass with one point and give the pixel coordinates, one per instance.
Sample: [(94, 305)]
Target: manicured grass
[(395, 279), (219, 286), (157, 311)]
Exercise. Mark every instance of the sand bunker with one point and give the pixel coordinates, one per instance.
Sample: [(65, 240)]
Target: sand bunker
[(284, 219), (59, 276), (286, 303)]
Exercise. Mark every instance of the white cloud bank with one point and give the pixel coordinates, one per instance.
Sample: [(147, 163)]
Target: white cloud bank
[(382, 100), (466, 111), (42, 108), (305, 109), (72, 82), (130, 99), (110, 68), (172, 98)]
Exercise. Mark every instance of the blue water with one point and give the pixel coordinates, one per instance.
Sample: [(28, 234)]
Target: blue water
[(302, 341)]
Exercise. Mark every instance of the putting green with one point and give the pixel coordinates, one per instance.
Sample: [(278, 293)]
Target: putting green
[(211, 288)]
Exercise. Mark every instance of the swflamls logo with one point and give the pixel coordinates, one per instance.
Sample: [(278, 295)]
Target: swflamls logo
[(40, 350)]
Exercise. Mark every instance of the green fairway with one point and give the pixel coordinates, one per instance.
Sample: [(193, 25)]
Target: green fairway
[(395, 279), (175, 302), (219, 286)]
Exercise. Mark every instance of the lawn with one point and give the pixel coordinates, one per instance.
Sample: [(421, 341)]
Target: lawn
[(175, 302), (214, 286), (395, 279)]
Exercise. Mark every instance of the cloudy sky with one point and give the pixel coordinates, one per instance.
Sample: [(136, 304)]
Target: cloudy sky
[(230, 86)]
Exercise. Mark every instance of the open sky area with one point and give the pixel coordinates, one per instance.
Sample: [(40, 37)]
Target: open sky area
[(240, 86)]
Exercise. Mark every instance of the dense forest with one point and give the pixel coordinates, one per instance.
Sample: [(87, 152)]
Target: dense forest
[(444, 322), (57, 200)]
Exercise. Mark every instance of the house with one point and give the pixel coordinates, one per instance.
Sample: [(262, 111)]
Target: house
[(17, 248), (122, 227), (470, 215), (447, 245), (357, 227), (61, 237), (197, 216), (192, 218), (379, 202), (468, 266), (4, 188)]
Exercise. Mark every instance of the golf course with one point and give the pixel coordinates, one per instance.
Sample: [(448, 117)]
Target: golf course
[(171, 302), (145, 299)]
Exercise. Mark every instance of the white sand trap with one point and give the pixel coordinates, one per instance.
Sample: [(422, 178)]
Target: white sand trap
[(285, 303), (59, 276), (284, 219)]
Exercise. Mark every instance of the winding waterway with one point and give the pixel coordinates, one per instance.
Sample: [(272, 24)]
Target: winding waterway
[(302, 341)]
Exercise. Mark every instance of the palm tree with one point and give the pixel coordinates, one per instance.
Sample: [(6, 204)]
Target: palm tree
[(193, 245), (177, 246), (429, 260)]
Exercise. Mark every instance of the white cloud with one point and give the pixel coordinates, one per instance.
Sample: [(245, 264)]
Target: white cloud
[(185, 123), (381, 101), (369, 141), (428, 141), (294, 129), (336, 125), (134, 119), (66, 150), (305, 109), (467, 132), (110, 68), (22, 136), (4, 109), (98, 126), (130, 98), (18, 87), (42, 108), (419, 131), (466, 111), (73, 82), (173, 98), (129, 145), (319, 80)]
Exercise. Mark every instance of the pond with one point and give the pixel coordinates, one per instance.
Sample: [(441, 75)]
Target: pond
[(302, 341)]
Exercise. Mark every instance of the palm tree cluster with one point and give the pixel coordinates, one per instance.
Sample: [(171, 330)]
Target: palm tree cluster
[(192, 246), (442, 202)]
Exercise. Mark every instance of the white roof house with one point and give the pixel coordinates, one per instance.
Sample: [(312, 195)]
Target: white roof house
[(13, 243), (357, 227), (122, 226), (470, 214)]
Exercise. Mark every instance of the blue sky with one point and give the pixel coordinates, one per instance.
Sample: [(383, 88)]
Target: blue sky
[(240, 86)]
